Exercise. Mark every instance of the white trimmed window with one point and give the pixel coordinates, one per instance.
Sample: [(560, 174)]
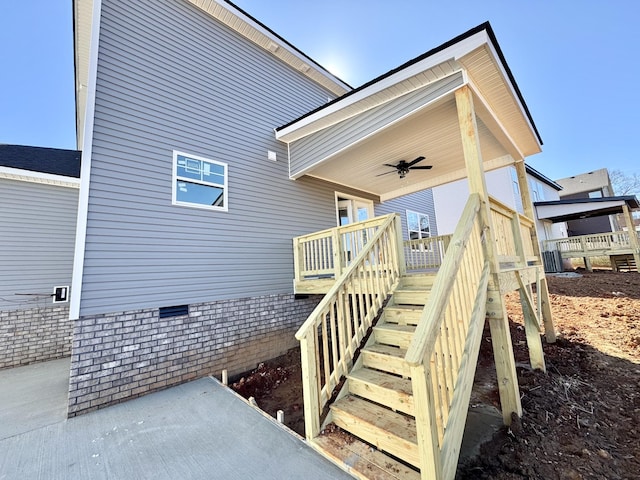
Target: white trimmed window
[(199, 182), (418, 225)]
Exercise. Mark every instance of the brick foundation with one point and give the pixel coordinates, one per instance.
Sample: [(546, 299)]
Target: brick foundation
[(125, 355), (34, 335)]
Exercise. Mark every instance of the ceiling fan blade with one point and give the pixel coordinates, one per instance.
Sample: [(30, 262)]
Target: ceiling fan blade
[(426, 167), (419, 159), (389, 165), (386, 173)]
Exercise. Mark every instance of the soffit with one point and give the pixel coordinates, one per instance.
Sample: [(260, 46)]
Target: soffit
[(432, 132), (251, 29), (222, 11), (490, 81)]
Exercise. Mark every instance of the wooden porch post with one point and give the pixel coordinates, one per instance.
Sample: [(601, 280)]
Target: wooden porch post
[(633, 236), (498, 321), (527, 205)]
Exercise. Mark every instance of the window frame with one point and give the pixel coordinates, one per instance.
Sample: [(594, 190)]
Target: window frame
[(175, 178), (407, 212)]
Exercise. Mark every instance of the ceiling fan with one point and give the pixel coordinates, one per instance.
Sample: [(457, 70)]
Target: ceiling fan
[(403, 167)]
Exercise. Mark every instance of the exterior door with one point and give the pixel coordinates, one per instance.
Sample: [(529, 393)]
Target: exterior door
[(351, 210)]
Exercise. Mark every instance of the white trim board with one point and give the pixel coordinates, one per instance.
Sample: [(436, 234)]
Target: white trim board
[(85, 169), (39, 177)]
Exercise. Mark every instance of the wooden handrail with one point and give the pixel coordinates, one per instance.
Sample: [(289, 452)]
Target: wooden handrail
[(339, 281), (594, 241), (331, 335), (323, 253), (427, 330)]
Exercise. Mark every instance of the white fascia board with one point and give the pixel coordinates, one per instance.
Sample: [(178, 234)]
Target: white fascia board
[(38, 177), (262, 30), (551, 211), (498, 123), (85, 169), (514, 94), (289, 134)]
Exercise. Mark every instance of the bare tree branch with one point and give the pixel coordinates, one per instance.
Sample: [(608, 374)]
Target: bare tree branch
[(625, 183)]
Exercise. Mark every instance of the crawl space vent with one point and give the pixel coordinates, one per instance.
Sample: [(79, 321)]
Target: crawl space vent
[(175, 311)]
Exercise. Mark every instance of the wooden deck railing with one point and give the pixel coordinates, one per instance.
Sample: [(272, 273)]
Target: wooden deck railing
[(590, 245), (512, 234), (444, 349), (425, 253), (328, 252), (333, 332)]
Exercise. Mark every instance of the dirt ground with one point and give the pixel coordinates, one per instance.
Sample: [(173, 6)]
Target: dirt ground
[(581, 420)]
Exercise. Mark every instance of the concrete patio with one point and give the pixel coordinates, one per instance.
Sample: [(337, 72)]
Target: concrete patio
[(196, 430)]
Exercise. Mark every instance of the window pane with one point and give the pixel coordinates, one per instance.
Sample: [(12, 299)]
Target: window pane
[(424, 225), (189, 168), (412, 221), (199, 194), (213, 173)]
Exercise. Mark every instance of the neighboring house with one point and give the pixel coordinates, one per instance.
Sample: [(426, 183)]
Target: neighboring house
[(593, 185), (503, 185), (184, 261), (38, 209)]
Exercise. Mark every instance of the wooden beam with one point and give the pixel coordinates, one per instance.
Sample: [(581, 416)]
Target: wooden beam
[(499, 323), (547, 316), (503, 357), (633, 236), (532, 329)]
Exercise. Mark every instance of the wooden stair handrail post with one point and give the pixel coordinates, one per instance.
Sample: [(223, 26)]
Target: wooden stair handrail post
[(311, 391), (399, 247), (336, 243)]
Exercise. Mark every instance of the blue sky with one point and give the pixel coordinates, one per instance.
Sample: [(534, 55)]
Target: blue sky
[(576, 62)]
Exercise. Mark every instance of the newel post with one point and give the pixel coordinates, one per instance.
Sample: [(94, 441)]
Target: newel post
[(399, 239), (310, 385)]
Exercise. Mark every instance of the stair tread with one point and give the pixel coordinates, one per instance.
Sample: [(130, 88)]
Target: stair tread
[(405, 307), (382, 379), (413, 288), (396, 327), (385, 350), (359, 459), (390, 431)]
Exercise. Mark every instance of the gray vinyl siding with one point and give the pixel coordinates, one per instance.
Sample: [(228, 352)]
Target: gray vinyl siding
[(170, 77), (37, 235), (324, 143), (421, 202)]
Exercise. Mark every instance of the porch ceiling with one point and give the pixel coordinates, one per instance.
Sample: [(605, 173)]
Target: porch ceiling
[(433, 133), (411, 112)]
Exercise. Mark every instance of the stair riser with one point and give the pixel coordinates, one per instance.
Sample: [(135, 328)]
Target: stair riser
[(401, 316), (417, 281), (398, 401), (398, 339), (386, 363), (408, 297)]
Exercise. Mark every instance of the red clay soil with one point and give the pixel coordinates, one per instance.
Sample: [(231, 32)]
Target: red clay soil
[(581, 420)]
